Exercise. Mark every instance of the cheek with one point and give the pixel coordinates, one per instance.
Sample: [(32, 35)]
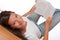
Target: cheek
[(17, 25)]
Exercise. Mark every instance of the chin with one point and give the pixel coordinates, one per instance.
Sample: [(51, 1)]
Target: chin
[(24, 24)]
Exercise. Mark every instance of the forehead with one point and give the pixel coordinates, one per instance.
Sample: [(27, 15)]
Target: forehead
[(11, 18)]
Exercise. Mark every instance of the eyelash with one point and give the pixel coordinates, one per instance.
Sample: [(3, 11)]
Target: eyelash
[(16, 15)]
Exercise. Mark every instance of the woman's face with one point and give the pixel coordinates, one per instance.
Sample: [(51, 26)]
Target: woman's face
[(16, 21)]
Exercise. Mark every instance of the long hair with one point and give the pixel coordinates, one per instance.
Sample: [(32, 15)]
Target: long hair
[(4, 17)]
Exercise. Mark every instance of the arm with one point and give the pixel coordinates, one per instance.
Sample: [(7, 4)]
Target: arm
[(35, 0), (31, 11), (48, 22)]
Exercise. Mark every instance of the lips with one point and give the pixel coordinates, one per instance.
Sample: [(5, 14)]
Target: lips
[(21, 22)]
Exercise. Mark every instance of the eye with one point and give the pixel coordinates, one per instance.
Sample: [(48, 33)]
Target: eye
[(16, 15)]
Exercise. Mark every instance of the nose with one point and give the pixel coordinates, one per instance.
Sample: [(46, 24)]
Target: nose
[(19, 20)]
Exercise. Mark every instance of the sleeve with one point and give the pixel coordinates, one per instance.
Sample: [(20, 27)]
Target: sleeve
[(33, 37)]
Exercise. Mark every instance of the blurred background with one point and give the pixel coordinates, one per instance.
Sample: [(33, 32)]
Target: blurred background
[(22, 6)]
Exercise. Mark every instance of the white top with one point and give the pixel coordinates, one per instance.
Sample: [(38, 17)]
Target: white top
[(44, 8), (32, 31)]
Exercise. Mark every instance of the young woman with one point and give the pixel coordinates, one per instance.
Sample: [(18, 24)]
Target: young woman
[(46, 10), (22, 26), (27, 26)]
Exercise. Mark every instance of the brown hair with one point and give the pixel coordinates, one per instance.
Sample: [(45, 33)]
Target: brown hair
[(4, 17)]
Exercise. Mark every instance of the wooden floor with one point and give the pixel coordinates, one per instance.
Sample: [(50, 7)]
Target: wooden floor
[(6, 35)]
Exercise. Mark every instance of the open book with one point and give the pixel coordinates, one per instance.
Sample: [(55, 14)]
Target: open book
[(44, 8)]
